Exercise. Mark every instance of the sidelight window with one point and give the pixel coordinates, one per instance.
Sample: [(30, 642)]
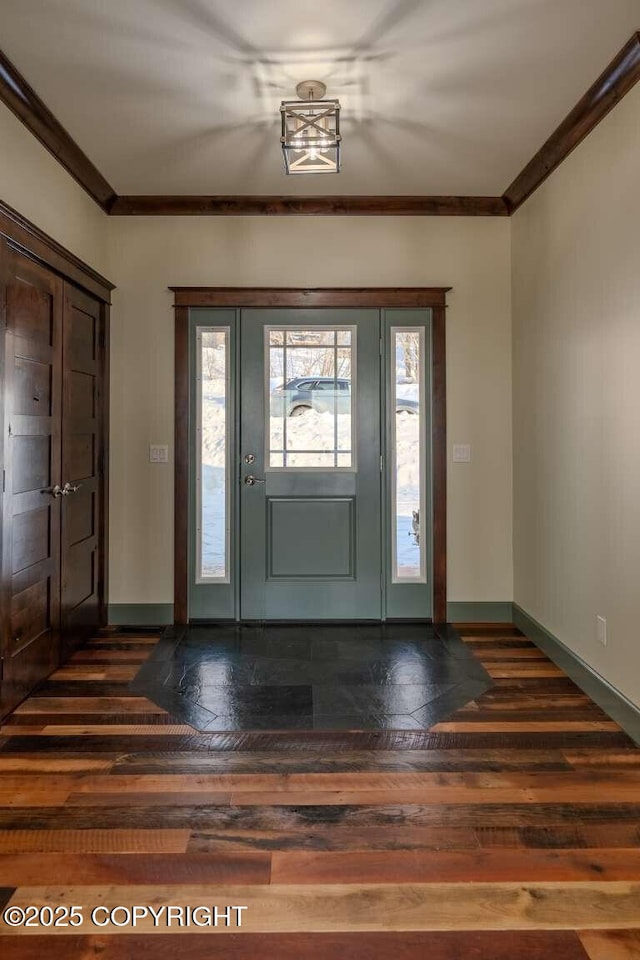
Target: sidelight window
[(213, 432), (408, 449)]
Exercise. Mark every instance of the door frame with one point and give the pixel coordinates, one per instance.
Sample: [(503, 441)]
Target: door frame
[(19, 234), (374, 297)]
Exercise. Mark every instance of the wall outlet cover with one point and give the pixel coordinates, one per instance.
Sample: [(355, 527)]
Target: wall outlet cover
[(462, 453), (158, 453)]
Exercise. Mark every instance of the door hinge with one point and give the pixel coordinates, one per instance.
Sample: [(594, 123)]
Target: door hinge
[(381, 346), (4, 481), (381, 463)]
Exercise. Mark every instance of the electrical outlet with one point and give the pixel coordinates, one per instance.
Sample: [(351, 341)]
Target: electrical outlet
[(158, 453), (462, 453), (602, 630)]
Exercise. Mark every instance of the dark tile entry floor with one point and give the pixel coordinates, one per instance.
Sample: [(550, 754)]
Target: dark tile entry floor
[(308, 677)]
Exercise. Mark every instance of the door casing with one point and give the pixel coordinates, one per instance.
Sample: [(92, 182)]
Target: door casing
[(374, 297)]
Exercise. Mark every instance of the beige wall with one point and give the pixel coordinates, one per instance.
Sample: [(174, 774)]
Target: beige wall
[(34, 184), (576, 333), (469, 254)]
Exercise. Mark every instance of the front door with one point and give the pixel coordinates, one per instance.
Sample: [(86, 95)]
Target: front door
[(310, 465)]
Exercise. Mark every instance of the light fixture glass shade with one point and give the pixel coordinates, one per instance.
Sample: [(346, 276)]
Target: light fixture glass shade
[(311, 136)]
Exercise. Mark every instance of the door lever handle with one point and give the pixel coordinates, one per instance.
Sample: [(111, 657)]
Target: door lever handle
[(69, 488), (250, 480), (55, 491)]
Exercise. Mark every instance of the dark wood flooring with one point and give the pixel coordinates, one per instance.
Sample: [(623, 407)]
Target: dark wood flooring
[(509, 831)]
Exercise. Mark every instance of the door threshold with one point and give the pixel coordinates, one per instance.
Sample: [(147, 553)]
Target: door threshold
[(200, 622)]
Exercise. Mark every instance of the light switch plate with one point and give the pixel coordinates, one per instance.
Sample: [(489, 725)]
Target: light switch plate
[(462, 453), (158, 453)]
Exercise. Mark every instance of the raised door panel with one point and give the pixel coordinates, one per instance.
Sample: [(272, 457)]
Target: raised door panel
[(81, 443), (31, 513)]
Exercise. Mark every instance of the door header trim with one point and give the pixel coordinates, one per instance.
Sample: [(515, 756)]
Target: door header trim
[(310, 297)]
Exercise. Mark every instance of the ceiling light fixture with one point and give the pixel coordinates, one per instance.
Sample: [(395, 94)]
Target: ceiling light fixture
[(311, 131)]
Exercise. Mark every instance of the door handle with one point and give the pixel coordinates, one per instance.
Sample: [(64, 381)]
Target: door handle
[(250, 480), (55, 491), (69, 488)]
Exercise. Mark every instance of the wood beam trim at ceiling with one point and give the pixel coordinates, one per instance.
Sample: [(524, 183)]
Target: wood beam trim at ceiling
[(35, 243), (277, 206), (25, 103), (616, 80), (375, 297), (611, 86)]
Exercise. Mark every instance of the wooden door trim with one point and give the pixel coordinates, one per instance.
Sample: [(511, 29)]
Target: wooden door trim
[(348, 297), (26, 238), (20, 97), (375, 297)]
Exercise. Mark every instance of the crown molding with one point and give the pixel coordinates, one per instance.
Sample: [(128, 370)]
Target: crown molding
[(347, 206), (25, 103), (611, 86)]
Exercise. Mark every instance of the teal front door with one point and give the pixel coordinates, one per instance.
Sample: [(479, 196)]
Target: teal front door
[(310, 494), (310, 461)]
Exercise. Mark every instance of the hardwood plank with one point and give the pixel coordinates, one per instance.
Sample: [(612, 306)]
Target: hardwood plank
[(37, 869), (37, 704), (363, 781), (89, 840), (183, 798), (109, 656), (628, 793), (450, 945), (345, 907), (611, 944), (126, 739), (602, 758), (523, 669), (325, 837), (416, 866), (299, 817), (72, 672), (32, 763), (517, 726), (105, 720), (305, 761)]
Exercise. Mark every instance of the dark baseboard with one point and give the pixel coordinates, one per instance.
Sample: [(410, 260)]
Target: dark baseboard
[(463, 611), (140, 614), (614, 703)]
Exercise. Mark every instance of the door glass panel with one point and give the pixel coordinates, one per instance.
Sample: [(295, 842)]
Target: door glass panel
[(408, 467), (212, 479), (311, 384)]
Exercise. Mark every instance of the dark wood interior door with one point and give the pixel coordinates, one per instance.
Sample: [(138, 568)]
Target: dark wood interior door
[(81, 589), (32, 497)]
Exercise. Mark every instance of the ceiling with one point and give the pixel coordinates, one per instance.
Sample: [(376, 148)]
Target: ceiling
[(438, 96)]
